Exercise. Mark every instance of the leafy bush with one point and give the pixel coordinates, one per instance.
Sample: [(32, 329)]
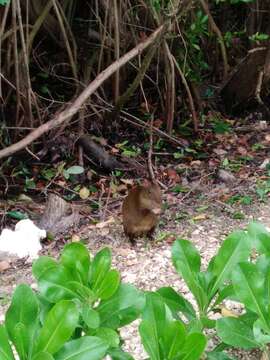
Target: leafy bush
[(81, 304)]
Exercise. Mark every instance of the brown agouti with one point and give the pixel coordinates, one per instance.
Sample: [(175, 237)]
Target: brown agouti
[(141, 209)]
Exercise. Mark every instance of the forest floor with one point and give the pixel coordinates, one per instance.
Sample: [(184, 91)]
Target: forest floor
[(213, 208)]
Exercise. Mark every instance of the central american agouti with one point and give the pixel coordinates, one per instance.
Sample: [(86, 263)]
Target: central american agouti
[(141, 210)]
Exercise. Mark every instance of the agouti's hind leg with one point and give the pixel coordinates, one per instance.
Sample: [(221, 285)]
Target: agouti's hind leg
[(131, 238), (150, 234)]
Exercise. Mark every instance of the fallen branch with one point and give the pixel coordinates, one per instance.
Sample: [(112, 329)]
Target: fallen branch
[(72, 109)]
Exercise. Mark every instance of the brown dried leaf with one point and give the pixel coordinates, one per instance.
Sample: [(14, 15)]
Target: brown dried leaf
[(228, 313), (104, 224), (4, 265), (84, 193), (75, 238)]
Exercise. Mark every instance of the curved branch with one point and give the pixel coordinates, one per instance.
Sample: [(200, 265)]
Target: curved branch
[(72, 109)]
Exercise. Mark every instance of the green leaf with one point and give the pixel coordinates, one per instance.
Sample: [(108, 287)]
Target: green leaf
[(177, 303), (248, 284), (75, 170), (58, 327), (215, 355), (109, 285), (226, 292), (18, 215), (110, 336), (149, 340), (5, 348), (187, 262), (43, 356), (193, 347), (83, 292), (236, 332), (119, 354), (84, 348), (99, 268), (75, 257), (53, 284), (173, 339), (122, 308), (42, 265), (259, 237), (22, 320), (234, 249), (90, 317)]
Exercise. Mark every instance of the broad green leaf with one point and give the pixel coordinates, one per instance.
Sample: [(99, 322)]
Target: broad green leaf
[(187, 262), (215, 355), (226, 292), (236, 332), (122, 308), (99, 268), (149, 340), (18, 215), (75, 170), (84, 348), (22, 320), (155, 313), (259, 237), (43, 356), (5, 348), (108, 286), (173, 339), (53, 284), (249, 284), (44, 305), (90, 317), (194, 347), (177, 303), (261, 333), (75, 257), (234, 249), (119, 354), (83, 292), (42, 265), (58, 327), (110, 336), (263, 265)]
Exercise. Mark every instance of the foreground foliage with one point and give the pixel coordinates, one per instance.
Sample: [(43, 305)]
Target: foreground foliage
[(81, 305)]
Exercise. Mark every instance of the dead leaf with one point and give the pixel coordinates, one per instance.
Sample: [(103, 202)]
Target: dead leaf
[(228, 313), (172, 174), (4, 265), (267, 138), (75, 238), (196, 163), (104, 224), (200, 217), (114, 150), (84, 193), (128, 181), (242, 150)]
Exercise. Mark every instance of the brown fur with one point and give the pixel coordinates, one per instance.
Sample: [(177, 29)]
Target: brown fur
[(138, 210)]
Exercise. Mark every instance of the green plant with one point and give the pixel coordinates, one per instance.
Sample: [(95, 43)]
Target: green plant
[(164, 337), (251, 287), (104, 304), (48, 339)]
